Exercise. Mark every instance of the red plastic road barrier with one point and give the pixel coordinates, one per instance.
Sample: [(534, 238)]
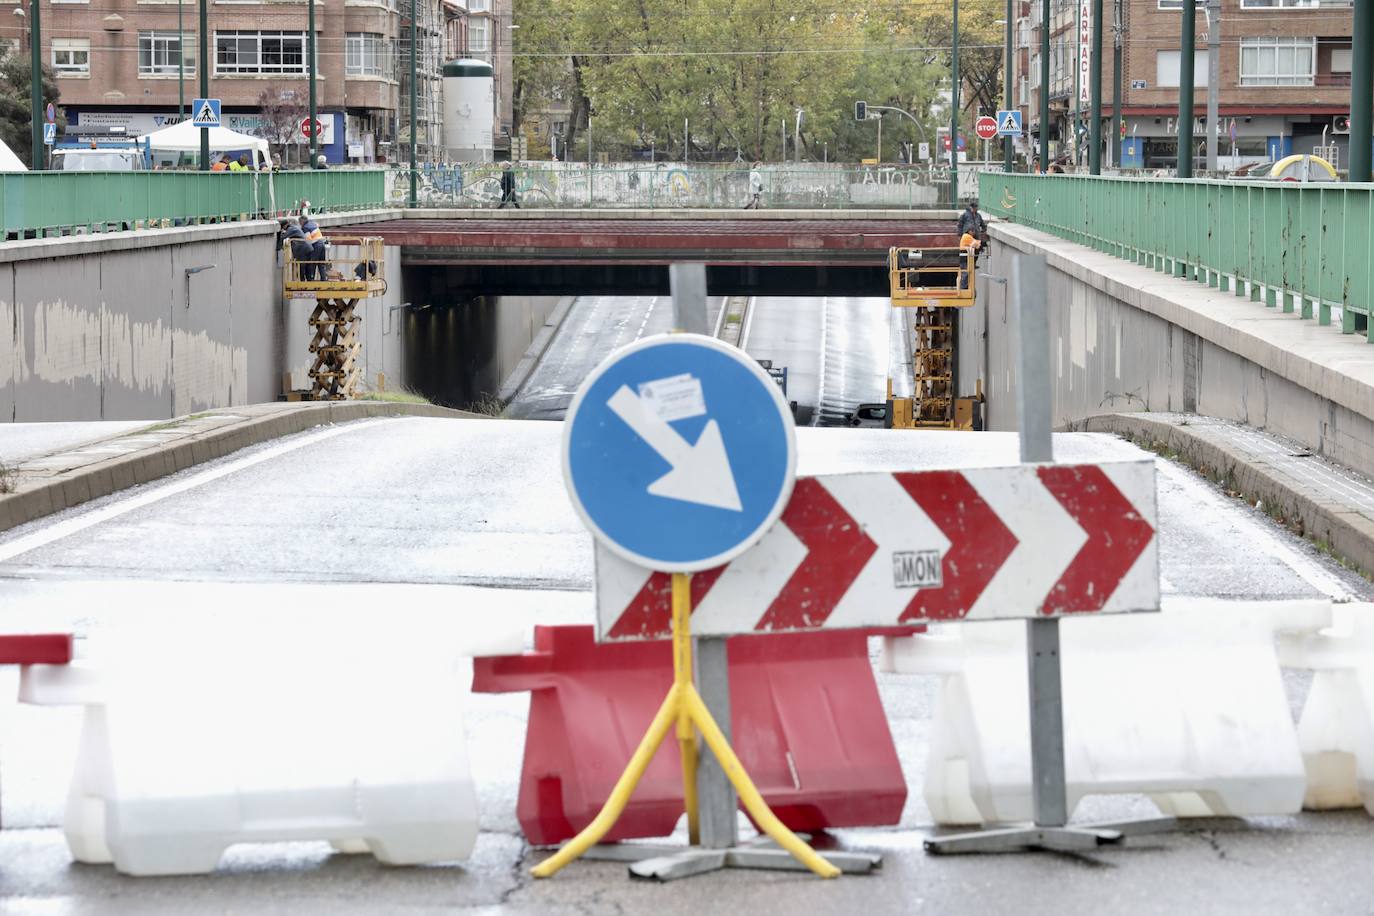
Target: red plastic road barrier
[(36, 649), (806, 719)]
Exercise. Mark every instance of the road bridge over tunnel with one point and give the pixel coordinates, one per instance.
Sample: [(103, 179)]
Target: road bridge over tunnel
[(576, 254)]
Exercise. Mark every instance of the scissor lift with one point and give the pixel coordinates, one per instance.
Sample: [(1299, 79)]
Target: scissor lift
[(336, 284), (937, 284)]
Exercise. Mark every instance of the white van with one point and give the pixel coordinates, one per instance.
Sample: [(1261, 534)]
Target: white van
[(98, 160)]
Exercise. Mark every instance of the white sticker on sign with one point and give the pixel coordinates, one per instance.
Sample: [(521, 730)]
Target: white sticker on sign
[(674, 398), (917, 569)]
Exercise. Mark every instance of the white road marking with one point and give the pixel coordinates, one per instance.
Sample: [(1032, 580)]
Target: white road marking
[(81, 522)]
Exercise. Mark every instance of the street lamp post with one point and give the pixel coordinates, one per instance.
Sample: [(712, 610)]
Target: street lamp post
[(36, 84), (181, 64), (1095, 93), (954, 113), (205, 79), (1006, 91), (310, 65), (1185, 90), (1361, 90), (1045, 86), (414, 75)]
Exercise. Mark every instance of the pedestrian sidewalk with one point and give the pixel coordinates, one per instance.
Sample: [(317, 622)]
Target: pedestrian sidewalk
[(1319, 499), (65, 477)]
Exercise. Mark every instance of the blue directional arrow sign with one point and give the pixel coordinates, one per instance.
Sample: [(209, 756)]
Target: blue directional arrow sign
[(679, 452), (1009, 123), (205, 113)]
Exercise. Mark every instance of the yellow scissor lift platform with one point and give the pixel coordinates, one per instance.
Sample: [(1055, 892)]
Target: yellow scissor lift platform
[(336, 283), (936, 284)]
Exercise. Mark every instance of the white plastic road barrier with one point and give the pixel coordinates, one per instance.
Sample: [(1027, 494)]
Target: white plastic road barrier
[(1336, 730), (183, 754), (1186, 706)]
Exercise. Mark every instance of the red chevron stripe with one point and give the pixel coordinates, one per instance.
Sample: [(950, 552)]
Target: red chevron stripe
[(979, 543), (650, 612), (837, 550), (1117, 535)]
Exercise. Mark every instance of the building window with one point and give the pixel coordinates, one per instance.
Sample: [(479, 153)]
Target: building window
[(259, 52), (1178, 4), (366, 54), (1167, 64), (71, 56), (1294, 4), (479, 6), (477, 35), (1277, 61), (159, 53)]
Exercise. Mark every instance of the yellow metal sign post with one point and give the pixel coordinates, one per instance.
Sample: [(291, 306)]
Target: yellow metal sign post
[(683, 706)]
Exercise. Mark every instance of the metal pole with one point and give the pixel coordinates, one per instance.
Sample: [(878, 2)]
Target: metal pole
[(1034, 396), (310, 66), (954, 113), (1095, 94), (880, 139), (1361, 90), (1116, 86), (716, 801), (36, 86), (1213, 79), (1045, 86), (1006, 90), (414, 95), (1185, 90), (181, 64), (205, 78)]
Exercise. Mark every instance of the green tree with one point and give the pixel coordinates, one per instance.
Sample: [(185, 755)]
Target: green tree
[(724, 78), (15, 113)]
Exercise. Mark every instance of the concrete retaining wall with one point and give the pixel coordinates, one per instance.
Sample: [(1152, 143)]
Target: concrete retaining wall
[(113, 326), (1125, 338)]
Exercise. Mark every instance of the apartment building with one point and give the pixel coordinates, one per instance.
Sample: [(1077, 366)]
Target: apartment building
[(1284, 77), (133, 64)]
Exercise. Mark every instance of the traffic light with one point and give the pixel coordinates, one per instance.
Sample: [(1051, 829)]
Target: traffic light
[(1340, 124), (860, 111)]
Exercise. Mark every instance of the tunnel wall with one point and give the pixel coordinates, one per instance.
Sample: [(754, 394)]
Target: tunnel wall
[(1125, 338), (458, 348), (111, 326)]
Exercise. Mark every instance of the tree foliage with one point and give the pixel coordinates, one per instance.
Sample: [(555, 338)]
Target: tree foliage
[(16, 126), (723, 79)]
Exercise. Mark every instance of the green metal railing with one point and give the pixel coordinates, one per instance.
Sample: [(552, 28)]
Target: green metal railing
[(1299, 247), (51, 203)]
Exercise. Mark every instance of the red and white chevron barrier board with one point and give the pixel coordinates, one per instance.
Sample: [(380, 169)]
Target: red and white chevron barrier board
[(882, 550)]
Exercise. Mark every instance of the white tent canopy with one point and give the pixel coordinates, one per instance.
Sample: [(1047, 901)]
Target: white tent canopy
[(185, 137), (9, 162)]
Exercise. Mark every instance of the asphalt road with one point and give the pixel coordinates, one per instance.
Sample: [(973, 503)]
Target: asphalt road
[(594, 328), (835, 350), (326, 532)]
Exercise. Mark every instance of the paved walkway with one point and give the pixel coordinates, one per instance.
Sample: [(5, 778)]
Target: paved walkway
[(1318, 498), (19, 441)]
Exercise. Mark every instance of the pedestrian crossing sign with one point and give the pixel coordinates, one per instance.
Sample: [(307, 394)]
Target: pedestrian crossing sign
[(1009, 123), (205, 113)]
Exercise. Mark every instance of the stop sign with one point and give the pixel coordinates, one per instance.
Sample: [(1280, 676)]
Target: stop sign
[(985, 128), (309, 128)]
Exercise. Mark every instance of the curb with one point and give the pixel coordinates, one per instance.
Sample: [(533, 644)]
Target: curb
[(60, 480), (1347, 532), (537, 348)]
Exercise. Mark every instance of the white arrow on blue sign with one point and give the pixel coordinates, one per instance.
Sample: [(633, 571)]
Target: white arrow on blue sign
[(1009, 123), (205, 113), (679, 452)]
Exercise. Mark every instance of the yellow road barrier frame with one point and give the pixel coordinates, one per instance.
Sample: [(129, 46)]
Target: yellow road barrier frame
[(683, 706)]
